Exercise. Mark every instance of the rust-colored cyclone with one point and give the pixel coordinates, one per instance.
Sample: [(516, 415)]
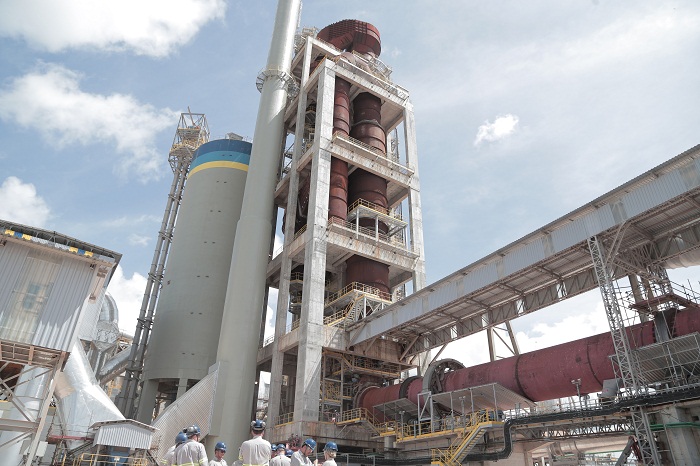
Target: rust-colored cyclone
[(367, 271), (351, 34), (544, 374), (338, 190)]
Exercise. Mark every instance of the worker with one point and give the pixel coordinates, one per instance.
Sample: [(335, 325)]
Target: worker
[(287, 459), (191, 452), (256, 451), (277, 455), (329, 453), (219, 452), (301, 456), (169, 455)]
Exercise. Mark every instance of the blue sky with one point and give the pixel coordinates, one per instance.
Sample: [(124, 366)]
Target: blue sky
[(524, 112)]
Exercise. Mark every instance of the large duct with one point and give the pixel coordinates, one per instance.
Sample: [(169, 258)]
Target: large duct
[(80, 400), (246, 291), (540, 375), (185, 336)]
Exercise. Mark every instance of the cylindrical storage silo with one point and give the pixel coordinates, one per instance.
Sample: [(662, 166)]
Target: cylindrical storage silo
[(185, 334)]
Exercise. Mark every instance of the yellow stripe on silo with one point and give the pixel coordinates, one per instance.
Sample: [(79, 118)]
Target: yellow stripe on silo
[(220, 164)]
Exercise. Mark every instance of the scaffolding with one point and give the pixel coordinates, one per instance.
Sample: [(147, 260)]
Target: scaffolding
[(666, 365), (192, 131)]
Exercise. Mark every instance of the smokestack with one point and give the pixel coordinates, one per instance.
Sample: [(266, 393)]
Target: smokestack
[(243, 308)]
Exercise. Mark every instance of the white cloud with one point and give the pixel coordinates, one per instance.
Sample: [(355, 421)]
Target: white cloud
[(128, 294), (50, 101), (21, 204), (154, 27), (502, 126), (138, 240), (573, 327)]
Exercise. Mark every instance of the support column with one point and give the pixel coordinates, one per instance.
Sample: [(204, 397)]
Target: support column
[(273, 406), (679, 427), (311, 331)]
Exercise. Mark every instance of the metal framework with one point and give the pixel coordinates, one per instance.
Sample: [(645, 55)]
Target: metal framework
[(626, 359), (23, 365), (192, 131)]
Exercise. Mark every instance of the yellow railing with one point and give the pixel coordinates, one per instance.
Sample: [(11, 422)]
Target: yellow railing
[(284, 419), (375, 207), (470, 433), (395, 240), (299, 233), (356, 415), (92, 459), (362, 288), (340, 316), (331, 391)]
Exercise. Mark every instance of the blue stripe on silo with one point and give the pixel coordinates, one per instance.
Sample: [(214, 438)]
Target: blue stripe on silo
[(222, 150)]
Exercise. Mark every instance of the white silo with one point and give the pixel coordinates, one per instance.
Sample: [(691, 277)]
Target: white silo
[(185, 335)]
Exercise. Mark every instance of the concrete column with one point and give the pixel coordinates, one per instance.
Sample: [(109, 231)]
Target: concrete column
[(681, 436), (273, 409), (146, 401), (311, 331)]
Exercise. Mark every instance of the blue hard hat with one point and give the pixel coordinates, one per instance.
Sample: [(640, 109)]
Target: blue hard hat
[(180, 438), (273, 447), (331, 446), (311, 443), (257, 425), (289, 453), (220, 446), (280, 447)]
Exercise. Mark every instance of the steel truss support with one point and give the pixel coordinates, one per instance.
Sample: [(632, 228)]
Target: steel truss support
[(626, 359), (192, 132), (30, 391)]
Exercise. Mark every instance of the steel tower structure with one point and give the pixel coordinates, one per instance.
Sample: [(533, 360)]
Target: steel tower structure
[(347, 250), (192, 131)]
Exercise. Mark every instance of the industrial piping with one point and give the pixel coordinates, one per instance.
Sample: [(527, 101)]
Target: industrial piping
[(540, 375), (246, 291)]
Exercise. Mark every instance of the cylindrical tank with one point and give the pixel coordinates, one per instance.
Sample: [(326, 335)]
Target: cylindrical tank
[(185, 334), (540, 375)]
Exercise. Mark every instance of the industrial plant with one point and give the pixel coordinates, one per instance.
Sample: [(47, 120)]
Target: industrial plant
[(355, 357)]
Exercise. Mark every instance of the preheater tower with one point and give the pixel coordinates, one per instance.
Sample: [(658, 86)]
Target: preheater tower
[(185, 335)]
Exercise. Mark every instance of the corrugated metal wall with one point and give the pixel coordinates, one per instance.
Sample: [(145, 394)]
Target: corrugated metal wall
[(124, 434), (41, 294), (194, 407)]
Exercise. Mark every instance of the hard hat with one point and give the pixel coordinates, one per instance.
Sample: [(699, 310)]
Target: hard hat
[(311, 443), (289, 453), (257, 425), (220, 446), (191, 431), (330, 446), (180, 438), (273, 447), (280, 447)]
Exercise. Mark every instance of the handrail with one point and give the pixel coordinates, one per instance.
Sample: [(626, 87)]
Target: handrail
[(285, 418), (375, 207), (404, 169), (391, 240), (362, 288)]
